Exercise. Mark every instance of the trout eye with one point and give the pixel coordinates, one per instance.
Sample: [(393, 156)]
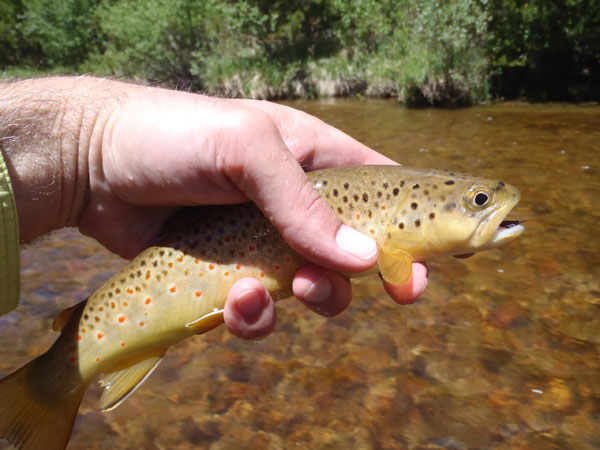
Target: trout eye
[(479, 197)]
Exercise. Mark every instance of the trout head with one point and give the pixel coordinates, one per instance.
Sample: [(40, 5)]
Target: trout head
[(453, 214)]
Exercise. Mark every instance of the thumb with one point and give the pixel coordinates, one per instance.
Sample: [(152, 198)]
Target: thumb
[(272, 178)]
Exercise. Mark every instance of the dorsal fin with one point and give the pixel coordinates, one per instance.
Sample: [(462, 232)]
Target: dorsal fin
[(64, 316), (206, 322), (120, 384), (395, 265)]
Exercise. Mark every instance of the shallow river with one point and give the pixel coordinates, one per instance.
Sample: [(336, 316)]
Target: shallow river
[(501, 352)]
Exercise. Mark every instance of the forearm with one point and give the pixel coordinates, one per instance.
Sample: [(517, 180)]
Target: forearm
[(46, 129)]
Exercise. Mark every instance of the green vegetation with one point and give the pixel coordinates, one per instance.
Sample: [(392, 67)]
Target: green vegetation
[(445, 52)]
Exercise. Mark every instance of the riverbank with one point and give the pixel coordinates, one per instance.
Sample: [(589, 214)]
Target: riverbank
[(422, 53)]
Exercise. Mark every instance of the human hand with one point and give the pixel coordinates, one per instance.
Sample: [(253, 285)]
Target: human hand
[(142, 152)]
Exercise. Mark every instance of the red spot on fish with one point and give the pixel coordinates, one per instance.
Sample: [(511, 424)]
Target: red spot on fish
[(251, 248), (200, 274), (242, 254), (148, 300), (238, 267), (198, 294), (383, 208), (125, 304), (148, 275), (101, 308), (121, 319), (277, 267), (211, 266), (170, 264), (372, 231), (197, 261), (83, 330), (100, 335), (118, 291), (142, 324), (173, 289), (226, 274), (122, 344), (129, 291), (262, 274), (79, 337), (358, 217), (288, 259), (227, 239), (180, 259), (97, 359), (73, 359), (113, 305)]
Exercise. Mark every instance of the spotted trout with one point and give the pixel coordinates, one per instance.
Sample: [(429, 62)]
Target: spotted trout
[(178, 288)]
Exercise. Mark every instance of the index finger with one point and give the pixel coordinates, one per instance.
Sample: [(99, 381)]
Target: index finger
[(315, 144)]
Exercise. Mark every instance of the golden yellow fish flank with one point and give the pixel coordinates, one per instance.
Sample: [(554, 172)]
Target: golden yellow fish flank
[(178, 288)]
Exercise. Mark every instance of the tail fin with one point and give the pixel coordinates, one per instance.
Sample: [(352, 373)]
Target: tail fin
[(32, 423)]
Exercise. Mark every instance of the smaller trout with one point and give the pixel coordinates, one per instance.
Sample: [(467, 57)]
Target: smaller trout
[(178, 288)]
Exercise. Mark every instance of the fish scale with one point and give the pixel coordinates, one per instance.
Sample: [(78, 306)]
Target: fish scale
[(178, 287)]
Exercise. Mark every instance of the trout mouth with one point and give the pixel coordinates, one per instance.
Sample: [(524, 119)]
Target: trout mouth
[(507, 230)]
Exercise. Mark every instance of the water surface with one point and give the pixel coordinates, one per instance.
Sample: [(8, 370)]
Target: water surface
[(501, 352)]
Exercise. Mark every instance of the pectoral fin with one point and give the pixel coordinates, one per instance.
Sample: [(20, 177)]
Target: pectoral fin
[(395, 266), (206, 322), (120, 384)]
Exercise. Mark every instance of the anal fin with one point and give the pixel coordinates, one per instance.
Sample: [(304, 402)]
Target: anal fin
[(207, 322), (120, 384), (395, 266)]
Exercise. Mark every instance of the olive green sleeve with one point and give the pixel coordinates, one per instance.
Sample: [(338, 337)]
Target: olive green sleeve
[(9, 244)]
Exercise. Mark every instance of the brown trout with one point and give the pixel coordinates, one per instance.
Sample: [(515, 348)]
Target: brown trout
[(178, 288)]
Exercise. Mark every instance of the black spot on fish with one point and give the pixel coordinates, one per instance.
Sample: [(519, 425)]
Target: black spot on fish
[(86, 316), (452, 174), (365, 198), (426, 192), (346, 186), (401, 226), (402, 183), (131, 275), (324, 182), (396, 191), (335, 193), (416, 186), (340, 210), (345, 199), (379, 194), (501, 183), (369, 213), (449, 182), (161, 253), (385, 185), (432, 216), (417, 223), (355, 197), (450, 206), (143, 262), (372, 183), (414, 205)]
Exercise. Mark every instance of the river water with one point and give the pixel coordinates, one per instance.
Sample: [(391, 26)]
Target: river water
[(501, 352)]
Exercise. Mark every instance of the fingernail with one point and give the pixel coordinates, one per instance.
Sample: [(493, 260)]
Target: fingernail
[(249, 304), (356, 243), (318, 292)]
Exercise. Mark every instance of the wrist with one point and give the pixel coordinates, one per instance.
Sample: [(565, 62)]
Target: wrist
[(46, 129)]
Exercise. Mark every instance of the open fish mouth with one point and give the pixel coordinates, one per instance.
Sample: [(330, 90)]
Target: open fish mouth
[(507, 230)]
